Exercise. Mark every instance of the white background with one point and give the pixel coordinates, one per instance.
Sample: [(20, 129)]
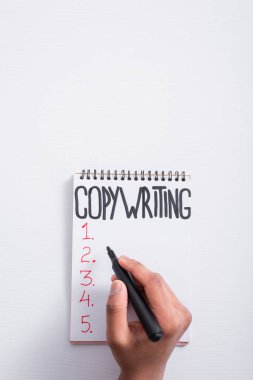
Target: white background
[(124, 84)]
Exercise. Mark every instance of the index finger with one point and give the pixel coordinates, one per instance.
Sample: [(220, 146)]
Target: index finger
[(144, 277), (141, 273), (161, 299)]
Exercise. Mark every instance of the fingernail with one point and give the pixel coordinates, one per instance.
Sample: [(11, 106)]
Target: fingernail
[(124, 258), (116, 287)]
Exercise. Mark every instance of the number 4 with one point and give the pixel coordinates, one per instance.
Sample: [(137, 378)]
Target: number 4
[(82, 299)]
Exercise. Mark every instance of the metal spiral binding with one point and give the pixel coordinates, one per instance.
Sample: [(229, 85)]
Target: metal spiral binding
[(127, 175)]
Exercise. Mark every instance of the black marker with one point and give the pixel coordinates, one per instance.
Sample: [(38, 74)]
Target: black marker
[(140, 306)]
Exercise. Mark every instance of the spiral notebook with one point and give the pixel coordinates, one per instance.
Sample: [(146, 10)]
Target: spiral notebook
[(142, 214)]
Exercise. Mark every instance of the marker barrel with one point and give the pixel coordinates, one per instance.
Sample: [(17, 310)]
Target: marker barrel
[(140, 306)]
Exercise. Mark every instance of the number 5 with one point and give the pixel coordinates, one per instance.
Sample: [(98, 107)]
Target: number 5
[(85, 323)]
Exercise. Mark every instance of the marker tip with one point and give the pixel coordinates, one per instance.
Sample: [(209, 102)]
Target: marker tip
[(110, 252)]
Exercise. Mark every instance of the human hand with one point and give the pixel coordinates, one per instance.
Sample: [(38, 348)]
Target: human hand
[(138, 357)]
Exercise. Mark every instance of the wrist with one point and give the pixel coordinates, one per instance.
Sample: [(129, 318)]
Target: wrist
[(142, 374)]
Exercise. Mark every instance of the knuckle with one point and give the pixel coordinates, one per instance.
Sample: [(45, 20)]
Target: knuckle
[(187, 318), (112, 308), (178, 324), (135, 266), (173, 327), (116, 343), (156, 278), (112, 342)]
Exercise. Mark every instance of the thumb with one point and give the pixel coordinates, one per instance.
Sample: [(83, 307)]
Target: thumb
[(117, 329)]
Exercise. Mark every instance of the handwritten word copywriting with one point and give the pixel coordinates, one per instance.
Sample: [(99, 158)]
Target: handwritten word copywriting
[(151, 202)]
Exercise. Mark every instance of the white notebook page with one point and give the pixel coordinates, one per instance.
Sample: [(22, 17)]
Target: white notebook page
[(159, 237)]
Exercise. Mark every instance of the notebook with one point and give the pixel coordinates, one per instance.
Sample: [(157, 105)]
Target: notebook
[(144, 215)]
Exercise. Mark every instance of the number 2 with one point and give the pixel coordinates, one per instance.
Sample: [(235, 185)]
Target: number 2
[(85, 254)]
